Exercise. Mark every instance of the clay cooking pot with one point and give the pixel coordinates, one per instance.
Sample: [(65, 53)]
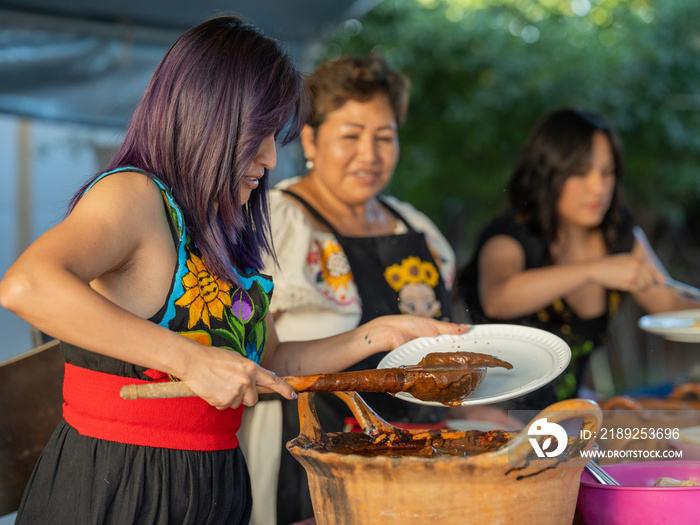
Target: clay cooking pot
[(387, 475)]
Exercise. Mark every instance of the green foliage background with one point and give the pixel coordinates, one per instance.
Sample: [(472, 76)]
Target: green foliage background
[(483, 72)]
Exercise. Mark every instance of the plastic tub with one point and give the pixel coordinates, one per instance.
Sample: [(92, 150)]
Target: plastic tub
[(637, 501)]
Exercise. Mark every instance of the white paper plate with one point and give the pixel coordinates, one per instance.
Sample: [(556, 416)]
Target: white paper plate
[(681, 325), (537, 357)]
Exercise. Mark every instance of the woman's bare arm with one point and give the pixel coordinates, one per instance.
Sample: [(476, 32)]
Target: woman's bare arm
[(338, 352), (49, 286), (508, 290)]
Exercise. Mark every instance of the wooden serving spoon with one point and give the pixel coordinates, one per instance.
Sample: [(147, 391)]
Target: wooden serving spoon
[(443, 377)]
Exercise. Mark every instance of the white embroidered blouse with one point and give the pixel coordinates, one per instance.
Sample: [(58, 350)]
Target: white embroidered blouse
[(315, 295)]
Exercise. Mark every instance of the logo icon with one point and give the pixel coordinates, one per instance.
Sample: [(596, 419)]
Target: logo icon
[(542, 427)]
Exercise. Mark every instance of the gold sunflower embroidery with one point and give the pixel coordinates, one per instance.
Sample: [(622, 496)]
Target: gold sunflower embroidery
[(205, 294), (411, 271), (394, 275), (430, 274), (335, 267)]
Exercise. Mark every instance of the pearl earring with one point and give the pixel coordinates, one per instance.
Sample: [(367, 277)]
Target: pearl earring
[(309, 164)]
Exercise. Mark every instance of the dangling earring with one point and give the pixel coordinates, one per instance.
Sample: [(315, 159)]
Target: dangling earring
[(309, 164)]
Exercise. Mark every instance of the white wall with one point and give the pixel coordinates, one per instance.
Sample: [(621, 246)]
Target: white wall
[(61, 157)]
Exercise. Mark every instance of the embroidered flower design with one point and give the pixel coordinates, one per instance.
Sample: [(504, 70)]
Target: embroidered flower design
[(313, 258), (394, 276), (200, 336), (242, 305), (415, 280), (205, 294), (177, 221), (253, 351), (335, 267), (412, 268), (411, 271), (430, 274)]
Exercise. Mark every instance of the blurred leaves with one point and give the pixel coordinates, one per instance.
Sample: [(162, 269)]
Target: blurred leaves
[(484, 71)]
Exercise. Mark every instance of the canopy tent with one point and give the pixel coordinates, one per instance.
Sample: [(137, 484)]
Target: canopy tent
[(86, 61)]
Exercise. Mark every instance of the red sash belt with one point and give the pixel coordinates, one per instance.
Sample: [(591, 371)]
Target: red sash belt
[(92, 405)]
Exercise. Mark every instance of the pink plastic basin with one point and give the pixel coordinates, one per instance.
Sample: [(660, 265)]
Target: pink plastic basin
[(637, 501)]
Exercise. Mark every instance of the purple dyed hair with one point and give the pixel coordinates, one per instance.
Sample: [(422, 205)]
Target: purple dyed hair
[(221, 89)]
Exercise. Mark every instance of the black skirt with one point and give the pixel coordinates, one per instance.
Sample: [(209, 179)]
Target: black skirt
[(83, 480)]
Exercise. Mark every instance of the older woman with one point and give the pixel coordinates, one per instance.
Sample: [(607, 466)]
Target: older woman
[(347, 254)]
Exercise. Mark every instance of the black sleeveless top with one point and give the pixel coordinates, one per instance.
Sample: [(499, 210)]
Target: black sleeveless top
[(582, 335)]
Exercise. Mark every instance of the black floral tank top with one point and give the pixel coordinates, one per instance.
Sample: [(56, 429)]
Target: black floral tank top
[(199, 305)]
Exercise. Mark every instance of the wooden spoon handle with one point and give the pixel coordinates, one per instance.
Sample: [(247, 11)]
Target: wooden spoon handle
[(173, 389), (166, 390), (367, 380)]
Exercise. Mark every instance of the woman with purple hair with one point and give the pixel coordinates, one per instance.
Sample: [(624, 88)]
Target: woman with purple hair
[(154, 276)]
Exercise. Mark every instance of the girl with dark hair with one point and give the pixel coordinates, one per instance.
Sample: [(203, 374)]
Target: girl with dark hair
[(563, 251), (154, 276)]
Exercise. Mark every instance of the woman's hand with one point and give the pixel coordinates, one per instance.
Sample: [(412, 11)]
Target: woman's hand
[(629, 272), (396, 330), (225, 379)]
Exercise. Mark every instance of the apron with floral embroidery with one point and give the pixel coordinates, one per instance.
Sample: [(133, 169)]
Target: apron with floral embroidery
[(394, 274)]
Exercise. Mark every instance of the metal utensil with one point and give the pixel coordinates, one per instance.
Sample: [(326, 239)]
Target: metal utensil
[(599, 474), (683, 288)]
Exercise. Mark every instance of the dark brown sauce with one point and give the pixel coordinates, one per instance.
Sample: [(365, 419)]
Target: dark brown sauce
[(463, 359), (446, 386), (442, 377), (430, 444)]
